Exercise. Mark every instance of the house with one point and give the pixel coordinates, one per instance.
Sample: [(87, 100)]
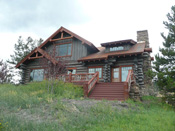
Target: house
[(110, 68)]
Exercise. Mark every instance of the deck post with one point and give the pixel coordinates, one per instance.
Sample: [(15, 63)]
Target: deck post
[(97, 76), (85, 88), (126, 93), (70, 77)]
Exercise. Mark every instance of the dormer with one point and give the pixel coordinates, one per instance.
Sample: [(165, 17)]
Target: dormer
[(122, 45)]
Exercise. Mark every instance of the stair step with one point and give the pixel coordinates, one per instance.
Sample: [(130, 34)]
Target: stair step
[(109, 91)]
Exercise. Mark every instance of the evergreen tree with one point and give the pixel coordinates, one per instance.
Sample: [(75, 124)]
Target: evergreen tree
[(4, 76), (165, 61), (23, 48)]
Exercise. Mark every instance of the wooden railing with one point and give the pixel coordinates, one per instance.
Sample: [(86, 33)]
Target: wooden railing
[(76, 77), (90, 85), (129, 80), (87, 80)]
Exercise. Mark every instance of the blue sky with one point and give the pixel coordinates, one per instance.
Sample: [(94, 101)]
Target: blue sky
[(98, 21)]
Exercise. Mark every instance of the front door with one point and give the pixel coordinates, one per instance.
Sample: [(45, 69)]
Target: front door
[(115, 74)]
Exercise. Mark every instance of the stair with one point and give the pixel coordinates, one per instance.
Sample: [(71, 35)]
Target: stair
[(109, 91)]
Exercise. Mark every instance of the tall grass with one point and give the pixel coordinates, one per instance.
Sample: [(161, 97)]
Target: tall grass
[(31, 107)]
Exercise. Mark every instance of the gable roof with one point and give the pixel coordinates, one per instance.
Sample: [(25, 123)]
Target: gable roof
[(61, 29), (118, 43), (44, 53), (135, 49)]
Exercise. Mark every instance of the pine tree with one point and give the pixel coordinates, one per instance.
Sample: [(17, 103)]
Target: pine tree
[(165, 61), (4, 76), (21, 49)]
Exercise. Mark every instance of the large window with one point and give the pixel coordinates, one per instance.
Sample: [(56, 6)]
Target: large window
[(64, 49), (94, 70), (116, 48), (37, 75)]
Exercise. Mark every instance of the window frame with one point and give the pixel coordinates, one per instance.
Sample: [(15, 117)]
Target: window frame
[(94, 67), (57, 55)]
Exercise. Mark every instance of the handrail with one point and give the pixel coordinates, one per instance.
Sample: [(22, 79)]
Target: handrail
[(130, 78), (93, 81)]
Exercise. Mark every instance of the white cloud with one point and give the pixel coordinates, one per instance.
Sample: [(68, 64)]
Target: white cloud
[(96, 20)]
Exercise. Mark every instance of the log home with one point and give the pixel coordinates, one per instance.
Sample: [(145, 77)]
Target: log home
[(105, 72)]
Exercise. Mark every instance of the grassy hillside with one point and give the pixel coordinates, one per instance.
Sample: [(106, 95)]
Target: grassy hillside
[(31, 107)]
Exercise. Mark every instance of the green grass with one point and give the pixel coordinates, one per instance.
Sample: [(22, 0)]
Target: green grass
[(31, 107)]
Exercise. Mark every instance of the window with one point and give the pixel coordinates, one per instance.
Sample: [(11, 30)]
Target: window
[(116, 48), (125, 72), (94, 70), (64, 49), (73, 71), (37, 75)]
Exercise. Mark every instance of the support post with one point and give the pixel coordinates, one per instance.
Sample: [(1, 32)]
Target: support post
[(126, 93), (97, 76), (70, 77), (85, 88)]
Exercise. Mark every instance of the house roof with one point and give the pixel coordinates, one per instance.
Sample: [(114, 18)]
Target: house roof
[(118, 43), (44, 53), (61, 29), (135, 49)]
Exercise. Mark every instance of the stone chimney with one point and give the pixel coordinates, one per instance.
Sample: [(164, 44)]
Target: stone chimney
[(143, 36)]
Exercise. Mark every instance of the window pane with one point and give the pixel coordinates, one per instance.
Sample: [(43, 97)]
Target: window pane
[(73, 71), (37, 75), (94, 70), (116, 48), (125, 72), (62, 50), (91, 70), (100, 72), (69, 49)]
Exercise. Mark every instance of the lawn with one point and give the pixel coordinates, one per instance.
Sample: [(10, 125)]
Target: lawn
[(31, 107)]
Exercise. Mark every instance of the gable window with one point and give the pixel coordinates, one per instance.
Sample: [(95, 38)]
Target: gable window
[(94, 70), (116, 48), (37, 75), (64, 49)]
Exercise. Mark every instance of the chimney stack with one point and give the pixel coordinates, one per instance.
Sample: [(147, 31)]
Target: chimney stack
[(143, 36)]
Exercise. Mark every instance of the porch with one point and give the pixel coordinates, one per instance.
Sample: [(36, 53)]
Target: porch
[(101, 90)]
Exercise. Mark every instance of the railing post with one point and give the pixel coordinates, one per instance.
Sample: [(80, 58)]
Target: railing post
[(70, 77), (85, 88), (126, 93), (97, 76)]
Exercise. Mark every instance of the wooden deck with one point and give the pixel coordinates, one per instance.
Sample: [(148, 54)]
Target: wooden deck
[(95, 90)]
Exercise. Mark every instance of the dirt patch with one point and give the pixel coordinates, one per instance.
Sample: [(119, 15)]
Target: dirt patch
[(90, 103)]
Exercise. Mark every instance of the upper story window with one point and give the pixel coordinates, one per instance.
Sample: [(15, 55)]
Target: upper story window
[(64, 49), (116, 48)]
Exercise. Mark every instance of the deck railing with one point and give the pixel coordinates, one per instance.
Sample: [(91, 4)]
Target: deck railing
[(87, 80), (129, 80), (90, 85), (76, 77)]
